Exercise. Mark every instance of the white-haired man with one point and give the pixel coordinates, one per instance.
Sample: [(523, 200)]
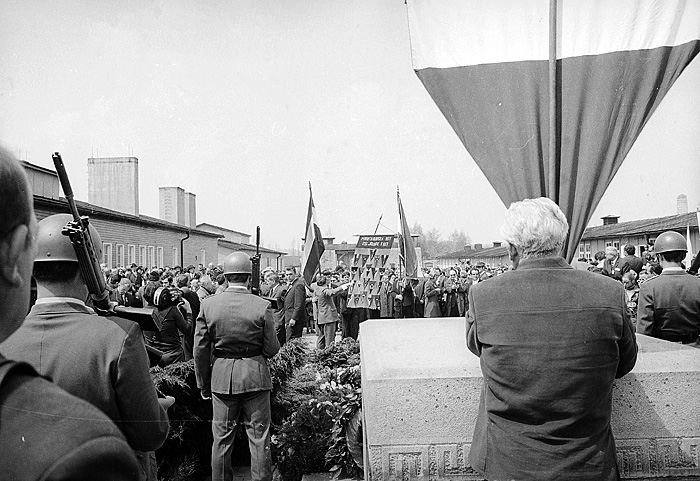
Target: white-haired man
[(551, 340), (612, 265)]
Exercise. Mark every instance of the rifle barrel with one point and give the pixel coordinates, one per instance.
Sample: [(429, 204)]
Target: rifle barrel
[(65, 184)]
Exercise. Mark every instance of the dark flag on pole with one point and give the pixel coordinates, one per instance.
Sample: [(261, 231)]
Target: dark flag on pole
[(313, 244), (407, 252)]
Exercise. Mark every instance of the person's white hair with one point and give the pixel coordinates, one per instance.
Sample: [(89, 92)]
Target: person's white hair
[(535, 227)]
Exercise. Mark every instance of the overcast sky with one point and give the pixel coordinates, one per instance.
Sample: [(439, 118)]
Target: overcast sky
[(244, 102)]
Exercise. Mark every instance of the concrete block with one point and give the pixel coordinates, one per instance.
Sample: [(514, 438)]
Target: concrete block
[(421, 389)]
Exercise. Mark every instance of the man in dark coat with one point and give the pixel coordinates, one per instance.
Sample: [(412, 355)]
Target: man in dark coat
[(193, 299), (552, 340), (419, 290), (45, 433), (408, 298), (235, 329), (669, 304), (277, 291), (612, 266), (631, 261), (99, 359), (125, 296), (294, 305)]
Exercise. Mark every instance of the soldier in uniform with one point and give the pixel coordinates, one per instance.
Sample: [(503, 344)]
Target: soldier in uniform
[(45, 433), (669, 304), (100, 359), (234, 338)]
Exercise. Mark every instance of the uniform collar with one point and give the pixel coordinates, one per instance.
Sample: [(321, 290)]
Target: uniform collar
[(59, 300), (237, 289), (672, 270)]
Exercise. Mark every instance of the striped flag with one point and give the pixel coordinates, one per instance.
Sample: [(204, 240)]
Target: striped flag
[(407, 253), (313, 244), (486, 66)]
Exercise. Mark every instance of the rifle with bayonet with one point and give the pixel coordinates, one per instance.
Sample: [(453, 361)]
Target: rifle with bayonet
[(255, 272), (78, 232), (255, 260)]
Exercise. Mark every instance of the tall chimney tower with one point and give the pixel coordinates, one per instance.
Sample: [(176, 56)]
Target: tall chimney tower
[(113, 182)]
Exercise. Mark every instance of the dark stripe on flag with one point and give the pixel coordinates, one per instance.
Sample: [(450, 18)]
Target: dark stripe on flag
[(313, 245), (500, 113)]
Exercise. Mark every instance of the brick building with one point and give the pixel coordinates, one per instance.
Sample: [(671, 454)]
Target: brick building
[(231, 240), (127, 238)]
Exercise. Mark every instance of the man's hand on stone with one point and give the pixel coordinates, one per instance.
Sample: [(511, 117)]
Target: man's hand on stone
[(292, 323)]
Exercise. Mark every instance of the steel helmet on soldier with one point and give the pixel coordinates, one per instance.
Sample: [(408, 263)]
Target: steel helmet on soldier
[(54, 246), (238, 263), (670, 241)]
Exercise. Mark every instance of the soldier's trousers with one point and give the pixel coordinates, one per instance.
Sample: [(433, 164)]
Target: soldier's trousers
[(255, 407)]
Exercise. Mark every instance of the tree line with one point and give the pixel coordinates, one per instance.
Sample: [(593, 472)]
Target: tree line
[(432, 244)]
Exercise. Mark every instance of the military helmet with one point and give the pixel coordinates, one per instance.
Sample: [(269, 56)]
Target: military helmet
[(238, 263), (670, 241), (54, 246)]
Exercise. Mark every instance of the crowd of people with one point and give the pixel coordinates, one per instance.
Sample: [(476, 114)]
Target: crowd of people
[(101, 413)]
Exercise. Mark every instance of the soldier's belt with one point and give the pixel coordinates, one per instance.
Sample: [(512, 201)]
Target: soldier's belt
[(237, 355)]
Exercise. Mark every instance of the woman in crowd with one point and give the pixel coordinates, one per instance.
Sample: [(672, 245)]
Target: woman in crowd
[(168, 316)]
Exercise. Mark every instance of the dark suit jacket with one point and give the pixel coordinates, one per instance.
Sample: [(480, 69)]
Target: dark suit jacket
[(669, 305), (408, 295), (420, 288), (192, 297), (278, 292), (236, 332), (551, 340), (48, 434), (432, 293), (295, 308), (631, 263), (613, 269), (102, 360), (128, 300)]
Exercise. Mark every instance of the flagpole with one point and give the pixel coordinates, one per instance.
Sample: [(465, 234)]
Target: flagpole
[(401, 239), (378, 222), (552, 189)]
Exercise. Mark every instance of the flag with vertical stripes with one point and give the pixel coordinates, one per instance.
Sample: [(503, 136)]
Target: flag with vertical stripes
[(407, 252), (313, 244)]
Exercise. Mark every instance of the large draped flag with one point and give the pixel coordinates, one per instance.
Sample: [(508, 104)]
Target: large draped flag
[(407, 252), (486, 66), (313, 244)]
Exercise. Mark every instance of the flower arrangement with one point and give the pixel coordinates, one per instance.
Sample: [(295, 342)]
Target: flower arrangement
[(323, 396), (316, 418)]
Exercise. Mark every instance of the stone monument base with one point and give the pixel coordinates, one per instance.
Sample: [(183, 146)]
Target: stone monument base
[(421, 389)]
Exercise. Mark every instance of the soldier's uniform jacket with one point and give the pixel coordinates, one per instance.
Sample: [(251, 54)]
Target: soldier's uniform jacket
[(234, 337), (46, 433), (669, 306), (100, 359)]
